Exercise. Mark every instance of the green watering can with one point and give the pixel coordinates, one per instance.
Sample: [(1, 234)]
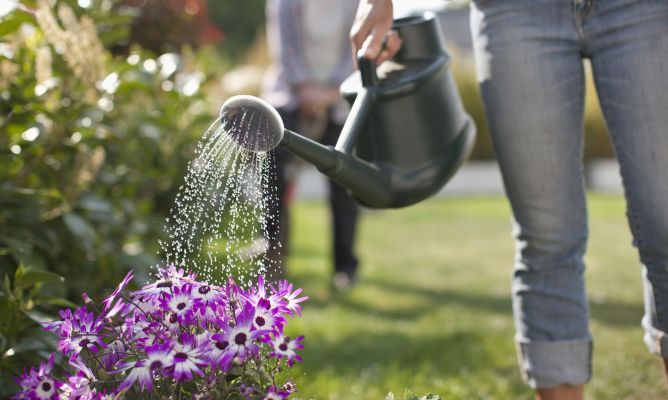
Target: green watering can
[(407, 132)]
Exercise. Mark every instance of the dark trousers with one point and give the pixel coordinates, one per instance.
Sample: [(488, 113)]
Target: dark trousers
[(344, 210)]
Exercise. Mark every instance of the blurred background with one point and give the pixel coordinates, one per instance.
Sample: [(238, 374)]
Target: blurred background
[(101, 105)]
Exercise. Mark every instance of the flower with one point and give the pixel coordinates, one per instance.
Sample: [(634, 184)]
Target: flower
[(273, 393), (157, 358), (38, 384), (186, 360), (79, 331), (109, 301), (290, 297), (180, 303), (174, 331), (267, 319), (286, 348)]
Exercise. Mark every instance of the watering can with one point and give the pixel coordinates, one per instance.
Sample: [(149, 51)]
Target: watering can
[(407, 132)]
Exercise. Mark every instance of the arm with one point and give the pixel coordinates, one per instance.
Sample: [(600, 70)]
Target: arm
[(371, 28)]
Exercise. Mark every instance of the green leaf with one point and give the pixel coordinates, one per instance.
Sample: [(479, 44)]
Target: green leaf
[(13, 21), (81, 229), (26, 277), (56, 301)]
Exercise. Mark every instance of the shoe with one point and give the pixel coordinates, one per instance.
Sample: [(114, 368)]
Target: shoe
[(343, 281)]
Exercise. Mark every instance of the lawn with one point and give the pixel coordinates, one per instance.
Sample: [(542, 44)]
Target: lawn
[(431, 311)]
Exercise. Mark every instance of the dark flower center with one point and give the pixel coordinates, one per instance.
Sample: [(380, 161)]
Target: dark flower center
[(156, 364), (204, 289), (173, 318), (164, 284), (84, 343), (259, 321), (180, 356), (181, 306), (283, 347), (46, 386), (222, 345), (240, 338)]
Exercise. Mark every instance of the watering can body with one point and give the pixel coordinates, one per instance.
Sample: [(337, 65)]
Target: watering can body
[(407, 132), (415, 129)]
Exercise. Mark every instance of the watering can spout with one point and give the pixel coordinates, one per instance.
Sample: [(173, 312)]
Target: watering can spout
[(256, 126), (407, 132)]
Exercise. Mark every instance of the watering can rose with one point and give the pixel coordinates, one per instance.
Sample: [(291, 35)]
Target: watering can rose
[(176, 336)]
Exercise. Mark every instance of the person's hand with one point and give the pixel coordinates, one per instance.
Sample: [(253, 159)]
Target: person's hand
[(316, 99), (371, 28)]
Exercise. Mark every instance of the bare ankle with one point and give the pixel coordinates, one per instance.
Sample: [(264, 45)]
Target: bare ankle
[(561, 392)]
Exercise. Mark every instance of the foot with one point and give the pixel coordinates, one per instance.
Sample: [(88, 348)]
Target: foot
[(343, 281), (561, 392)]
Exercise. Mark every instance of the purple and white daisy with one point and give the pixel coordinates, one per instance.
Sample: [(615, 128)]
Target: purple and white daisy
[(180, 302), (187, 359), (274, 393), (158, 357), (79, 332), (283, 347), (290, 297), (266, 318), (242, 337), (254, 295), (111, 305), (38, 384)]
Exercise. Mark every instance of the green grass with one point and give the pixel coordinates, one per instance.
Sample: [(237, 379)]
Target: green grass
[(432, 310)]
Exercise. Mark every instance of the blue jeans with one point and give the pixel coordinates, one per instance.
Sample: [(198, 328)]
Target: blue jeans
[(530, 67)]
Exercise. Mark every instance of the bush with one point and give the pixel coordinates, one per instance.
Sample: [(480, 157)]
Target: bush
[(93, 149)]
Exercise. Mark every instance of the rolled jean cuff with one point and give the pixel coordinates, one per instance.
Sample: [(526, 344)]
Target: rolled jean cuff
[(549, 364), (655, 339)]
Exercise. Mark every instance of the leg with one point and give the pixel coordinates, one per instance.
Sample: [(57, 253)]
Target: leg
[(345, 214), (629, 46), (532, 82)]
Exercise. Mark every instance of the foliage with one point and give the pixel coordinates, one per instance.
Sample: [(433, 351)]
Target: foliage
[(408, 395), (22, 301), (92, 147), (241, 21), (169, 25), (177, 336)]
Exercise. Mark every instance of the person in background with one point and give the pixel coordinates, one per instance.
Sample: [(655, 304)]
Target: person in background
[(310, 53), (529, 58)]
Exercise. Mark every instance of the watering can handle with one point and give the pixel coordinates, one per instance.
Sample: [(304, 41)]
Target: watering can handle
[(367, 71)]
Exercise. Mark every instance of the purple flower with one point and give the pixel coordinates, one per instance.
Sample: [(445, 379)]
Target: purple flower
[(283, 347), (76, 387), (179, 303), (38, 384), (111, 306), (158, 357), (273, 393), (266, 318), (285, 288), (187, 357), (242, 337), (255, 295), (169, 277), (79, 330)]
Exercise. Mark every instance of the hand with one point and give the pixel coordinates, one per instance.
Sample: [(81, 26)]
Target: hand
[(315, 99), (371, 28)]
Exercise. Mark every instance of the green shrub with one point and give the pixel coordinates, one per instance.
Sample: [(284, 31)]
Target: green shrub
[(93, 148)]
